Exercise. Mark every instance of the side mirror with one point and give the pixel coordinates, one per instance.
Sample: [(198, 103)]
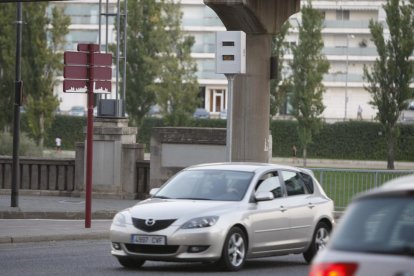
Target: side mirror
[(264, 196), (153, 191)]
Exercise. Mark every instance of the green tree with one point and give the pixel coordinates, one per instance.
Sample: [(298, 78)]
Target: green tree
[(391, 74), (308, 67), (41, 64), (158, 62), (178, 88), (7, 64), (278, 85)]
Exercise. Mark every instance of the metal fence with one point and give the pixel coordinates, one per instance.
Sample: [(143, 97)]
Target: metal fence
[(341, 185)]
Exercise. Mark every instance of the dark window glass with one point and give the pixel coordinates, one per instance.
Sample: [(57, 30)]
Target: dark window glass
[(378, 225)]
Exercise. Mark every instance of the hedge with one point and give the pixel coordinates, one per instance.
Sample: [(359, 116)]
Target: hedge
[(342, 140)]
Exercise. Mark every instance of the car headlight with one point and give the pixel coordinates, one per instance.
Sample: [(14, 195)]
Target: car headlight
[(121, 219), (200, 222)]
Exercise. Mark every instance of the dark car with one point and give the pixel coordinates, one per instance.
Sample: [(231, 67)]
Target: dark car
[(375, 236)]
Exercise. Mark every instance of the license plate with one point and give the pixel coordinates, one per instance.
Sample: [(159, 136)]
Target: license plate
[(147, 239)]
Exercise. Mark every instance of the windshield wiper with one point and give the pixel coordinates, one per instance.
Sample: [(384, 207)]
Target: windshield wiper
[(194, 198), (163, 197)]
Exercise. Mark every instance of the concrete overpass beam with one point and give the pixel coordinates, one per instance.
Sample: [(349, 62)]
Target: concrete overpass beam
[(259, 19)]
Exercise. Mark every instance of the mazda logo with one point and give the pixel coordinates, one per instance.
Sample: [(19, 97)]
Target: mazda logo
[(149, 222)]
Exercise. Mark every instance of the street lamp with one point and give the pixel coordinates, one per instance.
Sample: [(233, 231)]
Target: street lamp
[(348, 36)]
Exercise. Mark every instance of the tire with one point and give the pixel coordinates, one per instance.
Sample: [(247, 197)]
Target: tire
[(319, 241), (234, 250), (130, 262)]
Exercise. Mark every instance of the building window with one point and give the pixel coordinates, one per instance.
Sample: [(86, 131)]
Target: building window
[(217, 100), (342, 15), (202, 96)]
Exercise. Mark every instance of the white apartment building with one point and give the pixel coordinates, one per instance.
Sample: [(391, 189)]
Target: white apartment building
[(347, 47)]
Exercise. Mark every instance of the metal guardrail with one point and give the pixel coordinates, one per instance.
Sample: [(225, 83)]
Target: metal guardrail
[(342, 185)]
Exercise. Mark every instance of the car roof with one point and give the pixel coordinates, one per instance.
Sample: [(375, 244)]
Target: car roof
[(403, 185), (242, 166), (400, 183)]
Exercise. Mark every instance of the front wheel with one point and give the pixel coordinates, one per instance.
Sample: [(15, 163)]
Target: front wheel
[(234, 250), (319, 240), (130, 262)]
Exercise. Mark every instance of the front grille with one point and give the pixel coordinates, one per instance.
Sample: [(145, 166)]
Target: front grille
[(151, 249), (157, 225)]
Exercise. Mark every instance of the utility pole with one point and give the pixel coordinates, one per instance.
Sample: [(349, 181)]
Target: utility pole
[(17, 104)]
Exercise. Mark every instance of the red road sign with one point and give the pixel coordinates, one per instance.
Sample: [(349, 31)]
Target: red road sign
[(101, 59), (75, 86), (88, 47), (102, 87), (75, 72), (75, 58), (100, 73)]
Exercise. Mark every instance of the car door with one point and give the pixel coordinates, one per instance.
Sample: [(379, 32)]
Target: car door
[(269, 221), (300, 208)]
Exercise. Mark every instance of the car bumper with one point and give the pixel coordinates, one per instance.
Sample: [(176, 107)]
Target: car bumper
[(180, 244)]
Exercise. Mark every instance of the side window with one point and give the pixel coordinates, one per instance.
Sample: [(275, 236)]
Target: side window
[(307, 179), (270, 183), (294, 183)]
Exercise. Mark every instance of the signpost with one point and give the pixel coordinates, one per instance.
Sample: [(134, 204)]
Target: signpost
[(87, 71)]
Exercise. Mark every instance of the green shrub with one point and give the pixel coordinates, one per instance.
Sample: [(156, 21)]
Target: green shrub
[(343, 140), (27, 147)]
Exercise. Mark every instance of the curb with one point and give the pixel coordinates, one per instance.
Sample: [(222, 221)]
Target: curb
[(55, 215), (56, 237)]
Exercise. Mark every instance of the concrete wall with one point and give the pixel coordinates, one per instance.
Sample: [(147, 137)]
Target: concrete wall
[(41, 176), (173, 149)]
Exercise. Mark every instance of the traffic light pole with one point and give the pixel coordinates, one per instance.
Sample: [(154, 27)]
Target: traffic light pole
[(17, 104)]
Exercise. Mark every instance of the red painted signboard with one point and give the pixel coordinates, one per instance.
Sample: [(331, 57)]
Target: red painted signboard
[(88, 47), (101, 59), (75, 86), (100, 73), (75, 72), (75, 58), (102, 87)]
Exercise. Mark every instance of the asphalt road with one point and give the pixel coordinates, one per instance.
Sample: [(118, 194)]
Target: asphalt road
[(93, 258)]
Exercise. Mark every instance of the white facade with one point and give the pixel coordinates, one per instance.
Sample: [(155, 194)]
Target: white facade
[(347, 47), (84, 28)]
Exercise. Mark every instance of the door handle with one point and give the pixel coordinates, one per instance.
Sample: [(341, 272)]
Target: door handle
[(282, 208), (311, 205)]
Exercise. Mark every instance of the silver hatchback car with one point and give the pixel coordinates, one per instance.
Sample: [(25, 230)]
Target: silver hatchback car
[(226, 213), (375, 236)]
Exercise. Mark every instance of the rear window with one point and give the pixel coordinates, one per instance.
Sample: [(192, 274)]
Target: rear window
[(378, 225)]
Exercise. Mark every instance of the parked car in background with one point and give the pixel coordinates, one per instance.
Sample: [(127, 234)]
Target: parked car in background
[(77, 110), (201, 113), (154, 111), (223, 114), (226, 213), (375, 236)]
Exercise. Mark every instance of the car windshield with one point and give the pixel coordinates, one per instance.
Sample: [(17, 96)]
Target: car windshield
[(378, 225), (218, 185)]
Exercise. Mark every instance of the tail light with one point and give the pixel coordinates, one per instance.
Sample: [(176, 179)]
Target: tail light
[(333, 269)]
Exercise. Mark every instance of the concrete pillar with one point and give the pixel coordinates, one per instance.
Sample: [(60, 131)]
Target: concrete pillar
[(259, 19), (251, 100), (115, 154)]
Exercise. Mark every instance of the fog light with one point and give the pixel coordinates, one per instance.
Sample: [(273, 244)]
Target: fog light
[(197, 248), (116, 246)]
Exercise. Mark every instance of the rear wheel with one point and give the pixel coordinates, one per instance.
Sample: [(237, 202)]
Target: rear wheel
[(130, 262), (234, 250), (319, 240)]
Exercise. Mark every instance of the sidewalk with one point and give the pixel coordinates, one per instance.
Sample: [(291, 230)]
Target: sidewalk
[(49, 218)]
